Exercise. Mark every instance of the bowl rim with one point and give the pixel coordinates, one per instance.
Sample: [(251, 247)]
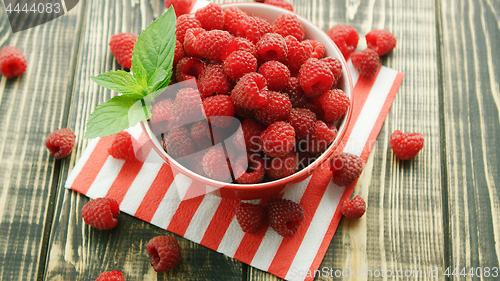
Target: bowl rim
[(279, 182)]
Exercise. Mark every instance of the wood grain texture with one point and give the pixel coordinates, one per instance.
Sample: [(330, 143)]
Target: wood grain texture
[(471, 74), (31, 106), (77, 251)]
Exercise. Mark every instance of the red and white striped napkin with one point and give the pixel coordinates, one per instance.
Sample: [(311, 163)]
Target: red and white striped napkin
[(151, 191)]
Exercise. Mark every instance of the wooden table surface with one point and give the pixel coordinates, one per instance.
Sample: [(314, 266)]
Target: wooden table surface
[(441, 210)]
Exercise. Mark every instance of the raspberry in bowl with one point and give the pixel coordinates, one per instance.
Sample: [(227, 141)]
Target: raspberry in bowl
[(228, 127)]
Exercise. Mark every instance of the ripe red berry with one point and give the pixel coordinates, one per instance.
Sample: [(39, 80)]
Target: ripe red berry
[(12, 62), (277, 108), (101, 213), (346, 38), (181, 7), (178, 143), (190, 42), (211, 16), (187, 107), (334, 104), (272, 46), (354, 208), (250, 92), (248, 136), (302, 120), (122, 147), (288, 24), (318, 51), (253, 28), (239, 63), (161, 111), (219, 110), (406, 146), (213, 80), (216, 164), (367, 62), (315, 77), (277, 139), (251, 217), (178, 53), (298, 53), (295, 93), (283, 166), (240, 44), (345, 168), (381, 41), (280, 3), (189, 68), (212, 44), (60, 142), (276, 74), (121, 46), (114, 275), (233, 18), (249, 169), (164, 251), (185, 22), (320, 138), (285, 216), (335, 67)]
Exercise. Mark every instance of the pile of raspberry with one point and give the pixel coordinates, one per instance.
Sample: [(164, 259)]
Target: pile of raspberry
[(263, 101)]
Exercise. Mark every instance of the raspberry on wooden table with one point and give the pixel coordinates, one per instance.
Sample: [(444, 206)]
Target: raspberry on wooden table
[(248, 136), (101, 213), (122, 147), (381, 41), (283, 166), (213, 80), (277, 139), (280, 3), (354, 208), (181, 7), (185, 22), (298, 53), (320, 138), (239, 63), (288, 24), (367, 62), (114, 275), (216, 164), (165, 252), (276, 74), (12, 62), (178, 143), (250, 92), (334, 104), (240, 44), (315, 77), (251, 217), (406, 146), (60, 142), (211, 16), (302, 120), (271, 46), (277, 108), (285, 216), (345, 168), (249, 169), (219, 110), (346, 38), (121, 46)]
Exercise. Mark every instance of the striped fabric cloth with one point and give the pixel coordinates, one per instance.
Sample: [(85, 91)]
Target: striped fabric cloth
[(153, 192)]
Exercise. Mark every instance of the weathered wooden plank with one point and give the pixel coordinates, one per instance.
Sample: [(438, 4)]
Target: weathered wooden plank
[(31, 106), (76, 251), (402, 229), (471, 74)]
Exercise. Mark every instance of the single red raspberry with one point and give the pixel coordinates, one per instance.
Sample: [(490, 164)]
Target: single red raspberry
[(298, 53), (406, 146), (334, 104), (381, 41), (185, 22), (346, 168), (247, 138), (181, 7), (187, 107), (114, 275), (161, 111), (315, 77), (216, 164), (354, 208), (288, 24), (302, 120), (101, 213), (189, 68), (212, 44), (12, 62), (122, 147), (277, 108), (295, 93), (211, 16), (249, 169), (284, 215), (276, 74), (272, 46), (240, 44), (165, 252), (345, 37), (191, 40), (251, 217), (178, 53), (250, 92), (219, 110), (367, 62), (213, 80), (239, 63), (121, 46), (280, 3), (318, 51), (335, 67), (253, 28), (178, 143), (277, 139), (233, 18), (60, 142), (320, 138), (284, 166)]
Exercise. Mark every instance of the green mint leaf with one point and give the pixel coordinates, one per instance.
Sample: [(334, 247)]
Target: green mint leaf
[(155, 47), (139, 72), (118, 113), (119, 81)]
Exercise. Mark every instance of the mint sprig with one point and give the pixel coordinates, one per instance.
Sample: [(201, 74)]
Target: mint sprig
[(152, 69)]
